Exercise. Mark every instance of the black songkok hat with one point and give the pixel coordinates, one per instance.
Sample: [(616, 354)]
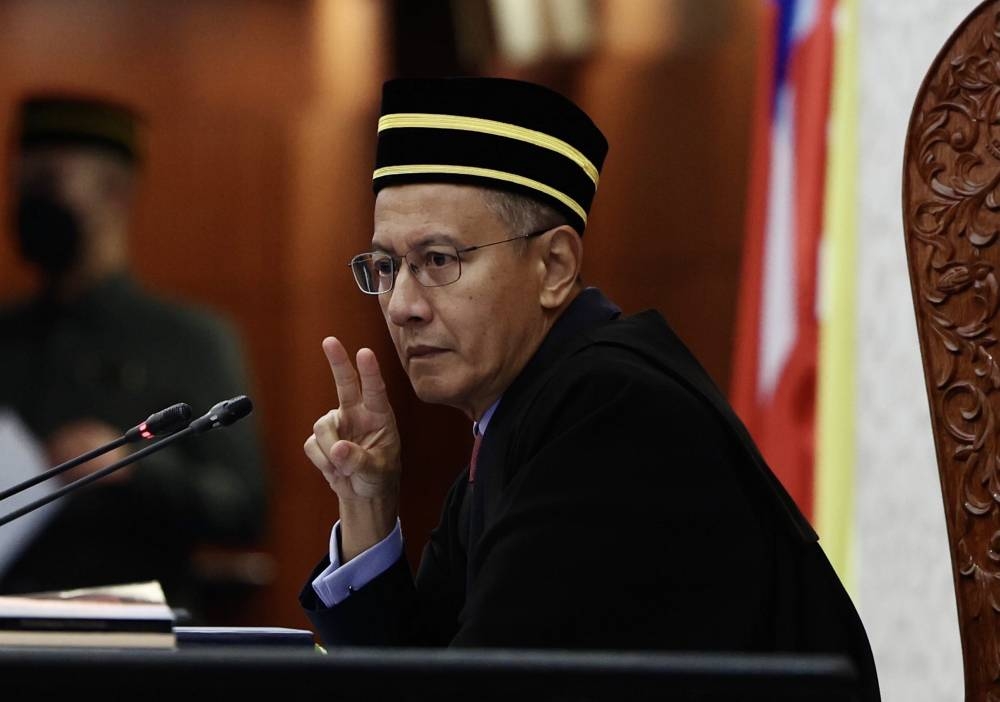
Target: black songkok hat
[(57, 119), (492, 132)]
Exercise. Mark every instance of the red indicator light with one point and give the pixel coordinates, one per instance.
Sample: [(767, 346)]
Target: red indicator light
[(146, 434)]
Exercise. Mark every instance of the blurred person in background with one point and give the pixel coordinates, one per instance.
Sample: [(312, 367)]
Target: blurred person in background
[(92, 354)]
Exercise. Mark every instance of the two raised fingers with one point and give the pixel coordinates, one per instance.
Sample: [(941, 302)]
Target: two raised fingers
[(359, 392), (362, 386)]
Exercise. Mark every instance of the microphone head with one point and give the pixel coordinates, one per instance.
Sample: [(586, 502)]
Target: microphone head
[(234, 409), (166, 421), (169, 420), (224, 413)]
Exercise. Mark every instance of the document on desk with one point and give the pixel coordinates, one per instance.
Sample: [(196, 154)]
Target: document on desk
[(130, 615), (21, 458)]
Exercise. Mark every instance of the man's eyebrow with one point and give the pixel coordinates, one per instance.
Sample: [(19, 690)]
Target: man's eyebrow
[(428, 239)]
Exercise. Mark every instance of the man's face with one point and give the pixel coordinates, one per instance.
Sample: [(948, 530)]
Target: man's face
[(70, 198), (85, 178), (461, 344)]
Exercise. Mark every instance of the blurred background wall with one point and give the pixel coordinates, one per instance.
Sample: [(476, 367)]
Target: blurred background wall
[(261, 118)]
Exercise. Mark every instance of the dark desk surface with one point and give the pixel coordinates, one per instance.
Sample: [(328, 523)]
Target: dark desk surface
[(248, 672)]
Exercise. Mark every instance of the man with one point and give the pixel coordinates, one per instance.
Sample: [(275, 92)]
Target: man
[(614, 500), (93, 354)]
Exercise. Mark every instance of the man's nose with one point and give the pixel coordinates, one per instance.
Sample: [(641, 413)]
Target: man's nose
[(407, 300)]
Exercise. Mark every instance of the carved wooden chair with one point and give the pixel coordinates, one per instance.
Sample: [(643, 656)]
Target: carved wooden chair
[(951, 216)]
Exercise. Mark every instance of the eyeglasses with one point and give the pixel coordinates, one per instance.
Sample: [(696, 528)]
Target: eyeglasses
[(432, 265)]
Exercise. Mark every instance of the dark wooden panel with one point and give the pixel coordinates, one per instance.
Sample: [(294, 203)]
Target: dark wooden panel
[(952, 223)]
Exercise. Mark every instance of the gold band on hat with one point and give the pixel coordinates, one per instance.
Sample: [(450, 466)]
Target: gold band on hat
[(418, 168), (495, 128)]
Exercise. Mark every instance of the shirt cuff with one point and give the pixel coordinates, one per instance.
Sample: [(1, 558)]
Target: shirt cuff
[(336, 582)]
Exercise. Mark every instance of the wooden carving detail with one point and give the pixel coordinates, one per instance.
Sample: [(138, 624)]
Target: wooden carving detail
[(951, 204)]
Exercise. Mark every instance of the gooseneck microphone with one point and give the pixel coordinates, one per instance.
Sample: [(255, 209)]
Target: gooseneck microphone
[(164, 422), (161, 423), (221, 415)]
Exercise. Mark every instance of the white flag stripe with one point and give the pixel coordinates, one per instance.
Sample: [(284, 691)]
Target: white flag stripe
[(778, 313)]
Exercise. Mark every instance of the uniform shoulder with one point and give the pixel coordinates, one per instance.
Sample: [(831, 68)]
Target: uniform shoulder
[(14, 309), (18, 316), (617, 361), (636, 362), (641, 344), (180, 314)]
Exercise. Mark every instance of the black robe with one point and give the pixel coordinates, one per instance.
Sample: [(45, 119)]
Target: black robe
[(619, 504)]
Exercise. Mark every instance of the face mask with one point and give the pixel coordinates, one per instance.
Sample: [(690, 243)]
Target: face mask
[(48, 233)]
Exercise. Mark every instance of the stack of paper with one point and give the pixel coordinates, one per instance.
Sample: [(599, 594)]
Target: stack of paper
[(122, 616)]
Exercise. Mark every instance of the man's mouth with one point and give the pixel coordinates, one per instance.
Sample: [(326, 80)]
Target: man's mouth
[(415, 353)]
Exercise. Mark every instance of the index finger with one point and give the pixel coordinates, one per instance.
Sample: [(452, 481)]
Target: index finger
[(344, 375)]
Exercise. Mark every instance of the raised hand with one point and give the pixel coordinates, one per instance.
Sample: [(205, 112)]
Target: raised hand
[(356, 448)]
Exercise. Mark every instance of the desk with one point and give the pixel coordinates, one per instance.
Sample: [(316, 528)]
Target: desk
[(372, 674)]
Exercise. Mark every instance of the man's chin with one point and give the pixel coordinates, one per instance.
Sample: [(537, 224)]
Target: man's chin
[(430, 394), (433, 391)]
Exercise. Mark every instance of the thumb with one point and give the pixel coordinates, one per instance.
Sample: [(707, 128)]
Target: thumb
[(347, 457)]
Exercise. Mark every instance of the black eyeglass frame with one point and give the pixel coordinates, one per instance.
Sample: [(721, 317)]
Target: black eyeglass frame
[(398, 260)]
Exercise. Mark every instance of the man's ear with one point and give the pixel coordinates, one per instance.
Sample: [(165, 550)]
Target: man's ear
[(561, 262)]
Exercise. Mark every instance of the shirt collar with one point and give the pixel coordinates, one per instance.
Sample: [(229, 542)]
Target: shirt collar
[(480, 426)]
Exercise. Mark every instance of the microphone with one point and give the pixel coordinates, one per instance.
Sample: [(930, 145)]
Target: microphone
[(161, 423), (166, 421), (221, 415)]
